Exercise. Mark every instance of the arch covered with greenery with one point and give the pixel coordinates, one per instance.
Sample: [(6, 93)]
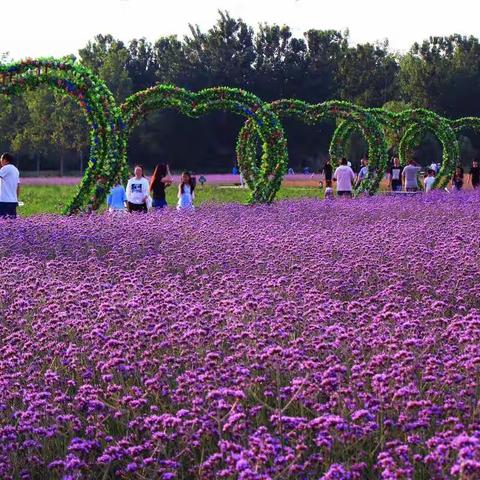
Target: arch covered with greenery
[(264, 179), (314, 114), (107, 143), (414, 123), (347, 127)]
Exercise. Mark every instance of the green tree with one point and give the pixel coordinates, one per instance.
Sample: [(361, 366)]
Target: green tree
[(443, 74), (325, 50), (109, 59), (367, 75)]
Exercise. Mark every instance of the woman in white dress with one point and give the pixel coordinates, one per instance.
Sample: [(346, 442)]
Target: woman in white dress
[(186, 192)]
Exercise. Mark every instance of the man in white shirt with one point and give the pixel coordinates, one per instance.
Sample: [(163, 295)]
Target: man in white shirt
[(344, 177), (137, 191), (429, 180), (410, 176), (9, 186)]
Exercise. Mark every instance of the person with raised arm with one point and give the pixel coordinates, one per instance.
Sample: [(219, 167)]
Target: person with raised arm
[(161, 179)]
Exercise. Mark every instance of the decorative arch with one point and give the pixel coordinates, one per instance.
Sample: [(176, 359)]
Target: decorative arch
[(347, 127), (466, 123), (314, 114), (265, 179), (414, 123), (107, 142)]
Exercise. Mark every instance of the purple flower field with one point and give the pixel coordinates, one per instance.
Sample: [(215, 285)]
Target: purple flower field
[(304, 340)]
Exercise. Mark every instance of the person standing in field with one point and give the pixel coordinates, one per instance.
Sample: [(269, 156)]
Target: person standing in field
[(429, 180), (475, 174), (117, 198), (186, 192), (9, 186), (395, 176), (410, 176), (160, 180), (137, 192), (344, 177), (328, 173), (363, 173), (457, 179)]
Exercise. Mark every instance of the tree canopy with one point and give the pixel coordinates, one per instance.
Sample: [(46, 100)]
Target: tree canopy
[(441, 73)]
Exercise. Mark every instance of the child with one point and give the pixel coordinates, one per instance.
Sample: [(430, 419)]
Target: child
[(329, 193), (116, 198), (429, 180), (186, 192)]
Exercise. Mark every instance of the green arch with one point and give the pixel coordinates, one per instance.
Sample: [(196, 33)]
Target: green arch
[(414, 123), (441, 129), (466, 123), (314, 114), (107, 142), (347, 127), (265, 179)]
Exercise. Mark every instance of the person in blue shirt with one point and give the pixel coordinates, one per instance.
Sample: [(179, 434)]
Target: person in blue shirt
[(116, 198)]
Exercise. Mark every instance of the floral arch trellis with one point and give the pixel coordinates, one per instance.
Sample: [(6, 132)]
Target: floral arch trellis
[(264, 179), (314, 114), (109, 125), (414, 124), (107, 142), (466, 123)]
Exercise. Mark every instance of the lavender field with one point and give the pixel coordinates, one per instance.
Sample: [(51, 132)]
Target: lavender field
[(304, 340)]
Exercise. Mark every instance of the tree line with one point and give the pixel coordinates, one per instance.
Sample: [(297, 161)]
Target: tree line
[(47, 131)]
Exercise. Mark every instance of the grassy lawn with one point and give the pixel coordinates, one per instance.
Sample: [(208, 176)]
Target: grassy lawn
[(52, 198)]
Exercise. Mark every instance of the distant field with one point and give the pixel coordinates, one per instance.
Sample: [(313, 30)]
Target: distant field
[(52, 198)]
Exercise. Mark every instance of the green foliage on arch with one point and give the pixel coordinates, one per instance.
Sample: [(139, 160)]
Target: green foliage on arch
[(414, 123), (107, 142), (265, 178), (420, 121), (466, 123), (347, 127), (314, 114), (110, 124)]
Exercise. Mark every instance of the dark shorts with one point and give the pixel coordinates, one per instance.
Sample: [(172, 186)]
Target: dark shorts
[(8, 209), (328, 183), (159, 203), (396, 187), (343, 193), (135, 207)]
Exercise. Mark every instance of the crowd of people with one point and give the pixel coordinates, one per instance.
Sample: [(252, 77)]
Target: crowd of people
[(399, 179), (141, 194)]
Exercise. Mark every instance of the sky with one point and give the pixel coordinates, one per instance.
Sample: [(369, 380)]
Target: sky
[(33, 28)]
